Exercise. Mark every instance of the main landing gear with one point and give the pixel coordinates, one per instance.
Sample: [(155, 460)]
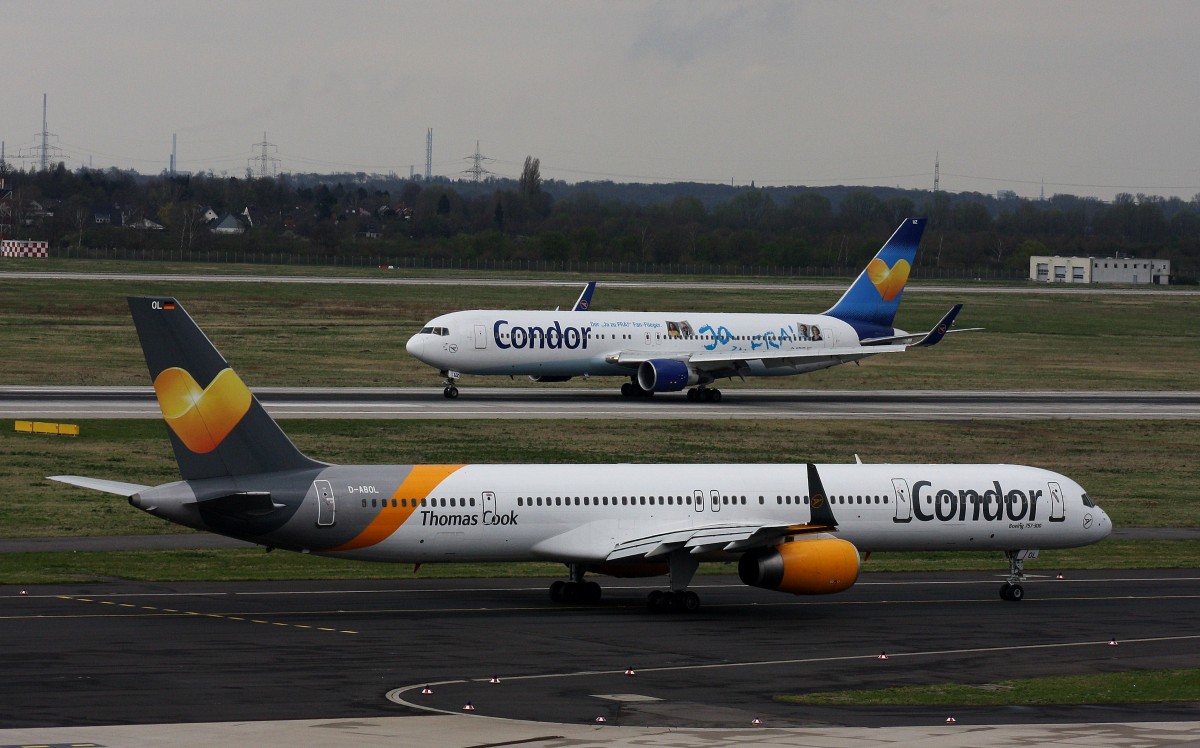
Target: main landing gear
[(576, 590), (633, 389), (704, 395), (1012, 590), (678, 599)]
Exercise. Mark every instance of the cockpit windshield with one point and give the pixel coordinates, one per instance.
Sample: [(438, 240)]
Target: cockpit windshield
[(1087, 501), (442, 331)]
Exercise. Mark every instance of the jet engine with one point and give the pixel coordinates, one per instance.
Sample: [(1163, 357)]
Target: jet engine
[(805, 566), (666, 375)]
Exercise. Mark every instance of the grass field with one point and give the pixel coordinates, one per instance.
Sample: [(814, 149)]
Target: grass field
[(1137, 687)]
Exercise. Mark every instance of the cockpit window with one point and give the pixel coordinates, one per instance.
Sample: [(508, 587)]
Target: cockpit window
[(442, 331), (1087, 501)]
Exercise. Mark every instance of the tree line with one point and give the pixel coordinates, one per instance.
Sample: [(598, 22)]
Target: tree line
[(546, 220)]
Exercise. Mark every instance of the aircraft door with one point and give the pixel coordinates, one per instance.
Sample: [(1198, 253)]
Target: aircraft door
[(326, 504), (903, 501), (715, 496), (1058, 506), (480, 337), (698, 497), (489, 507)]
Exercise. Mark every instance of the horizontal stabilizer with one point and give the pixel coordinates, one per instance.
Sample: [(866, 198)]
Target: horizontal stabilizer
[(98, 484)]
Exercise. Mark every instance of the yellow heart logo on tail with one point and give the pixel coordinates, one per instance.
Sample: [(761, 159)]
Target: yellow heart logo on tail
[(201, 417), (889, 282)]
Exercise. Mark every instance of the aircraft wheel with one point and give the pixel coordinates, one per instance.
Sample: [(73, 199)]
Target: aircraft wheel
[(693, 395), (557, 590), (450, 392), (689, 602), (627, 389), (654, 601), (1004, 590), (1016, 593), (591, 592), (716, 396)]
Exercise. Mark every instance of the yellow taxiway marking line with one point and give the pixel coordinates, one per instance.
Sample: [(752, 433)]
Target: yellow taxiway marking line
[(221, 616)]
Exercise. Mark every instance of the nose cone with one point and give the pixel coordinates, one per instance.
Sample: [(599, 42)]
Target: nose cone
[(415, 345), (1104, 525)]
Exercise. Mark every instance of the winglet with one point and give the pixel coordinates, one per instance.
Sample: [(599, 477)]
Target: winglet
[(584, 302), (870, 304), (934, 336), (821, 513)]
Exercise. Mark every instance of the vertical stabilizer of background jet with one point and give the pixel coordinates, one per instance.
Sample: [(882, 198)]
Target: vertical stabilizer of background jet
[(870, 304)]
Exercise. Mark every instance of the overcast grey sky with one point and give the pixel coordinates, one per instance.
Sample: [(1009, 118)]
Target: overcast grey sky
[(1094, 97)]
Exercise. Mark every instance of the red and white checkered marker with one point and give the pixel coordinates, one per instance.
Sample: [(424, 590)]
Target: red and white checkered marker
[(468, 707), (882, 656), (426, 691), (950, 720)]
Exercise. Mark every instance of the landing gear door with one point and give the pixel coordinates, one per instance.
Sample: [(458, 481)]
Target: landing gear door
[(1058, 506), (326, 504), (903, 501)]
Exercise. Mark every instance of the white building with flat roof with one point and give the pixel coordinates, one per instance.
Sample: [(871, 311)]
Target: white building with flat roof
[(1099, 270)]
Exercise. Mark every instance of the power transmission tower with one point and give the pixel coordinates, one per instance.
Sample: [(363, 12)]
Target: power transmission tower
[(44, 150), (937, 167), (476, 171), (429, 154), (268, 165)]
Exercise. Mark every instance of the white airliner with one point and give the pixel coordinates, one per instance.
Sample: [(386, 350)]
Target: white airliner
[(670, 351), (795, 528)]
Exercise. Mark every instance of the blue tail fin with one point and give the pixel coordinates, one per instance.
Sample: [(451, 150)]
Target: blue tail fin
[(870, 304)]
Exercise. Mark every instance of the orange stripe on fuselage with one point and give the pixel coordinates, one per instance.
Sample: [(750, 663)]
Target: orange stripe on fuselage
[(418, 485)]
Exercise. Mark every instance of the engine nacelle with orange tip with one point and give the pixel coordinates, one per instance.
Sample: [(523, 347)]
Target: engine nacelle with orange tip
[(805, 566)]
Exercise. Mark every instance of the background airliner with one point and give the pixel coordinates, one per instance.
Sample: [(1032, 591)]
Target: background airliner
[(795, 528), (670, 351)]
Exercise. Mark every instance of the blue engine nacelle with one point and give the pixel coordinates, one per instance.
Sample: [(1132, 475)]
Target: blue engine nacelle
[(665, 375)]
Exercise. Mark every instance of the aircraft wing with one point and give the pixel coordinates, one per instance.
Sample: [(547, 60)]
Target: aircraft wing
[(98, 484), (733, 363), (732, 537)]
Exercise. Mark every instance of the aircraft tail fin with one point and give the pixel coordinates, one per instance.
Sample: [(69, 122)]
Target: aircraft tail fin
[(870, 304), (217, 426), (584, 302)]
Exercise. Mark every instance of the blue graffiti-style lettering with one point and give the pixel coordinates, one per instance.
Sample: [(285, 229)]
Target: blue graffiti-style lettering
[(720, 336)]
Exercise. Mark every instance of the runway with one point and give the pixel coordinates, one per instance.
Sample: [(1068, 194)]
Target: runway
[(138, 653), (389, 277), (61, 403)]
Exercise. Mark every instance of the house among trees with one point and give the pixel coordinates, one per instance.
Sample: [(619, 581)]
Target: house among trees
[(229, 225)]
